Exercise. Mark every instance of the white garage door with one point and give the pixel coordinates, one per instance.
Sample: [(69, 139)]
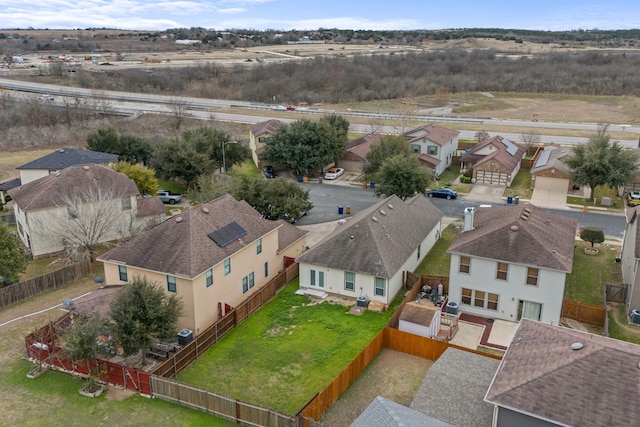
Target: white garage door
[(550, 192)]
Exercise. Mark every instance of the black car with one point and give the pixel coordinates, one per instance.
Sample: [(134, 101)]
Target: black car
[(444, 193), (269, 172)]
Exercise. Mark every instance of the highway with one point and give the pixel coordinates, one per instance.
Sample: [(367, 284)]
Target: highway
[(128, 103)]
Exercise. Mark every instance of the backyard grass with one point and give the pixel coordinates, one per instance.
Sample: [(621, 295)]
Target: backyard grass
[(172, 186), (247, 169), (437, 262), (590, 273), (286, 352), (520, 185), (619, 327)]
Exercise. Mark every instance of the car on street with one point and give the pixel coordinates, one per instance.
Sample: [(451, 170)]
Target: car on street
[(269, 172), (46, 98), (291, 108), (333, 173), (279, 108), (443, 193), (633, 199)]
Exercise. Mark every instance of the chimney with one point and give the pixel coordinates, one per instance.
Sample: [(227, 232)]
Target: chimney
[(468, 219)]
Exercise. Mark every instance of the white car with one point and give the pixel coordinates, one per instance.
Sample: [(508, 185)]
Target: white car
[(333, 173), (46, 98), (279, 108)]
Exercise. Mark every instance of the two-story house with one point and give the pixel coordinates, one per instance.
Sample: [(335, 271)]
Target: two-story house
[(85, 203), (258, 134), (211, 256), (435, 146), (511, 262)]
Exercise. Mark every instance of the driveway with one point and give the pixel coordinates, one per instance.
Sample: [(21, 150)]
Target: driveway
[(486, 193), (550, 195)]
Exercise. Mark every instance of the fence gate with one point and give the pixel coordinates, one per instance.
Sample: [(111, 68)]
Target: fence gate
[(616, 292)]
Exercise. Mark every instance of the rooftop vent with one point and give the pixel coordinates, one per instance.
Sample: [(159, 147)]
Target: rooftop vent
[(374, 219), (85, 167), (382, 212), (205, 210), (390, 206), (179, 219), (514, 228), (577, 346)]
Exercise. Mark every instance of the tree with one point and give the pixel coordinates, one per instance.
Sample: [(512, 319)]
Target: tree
[(209, 140), (143, 312), (129, 148), (601, 162), (180, 159), (178, 108), (305, 145), (403, 176), (144, 177), (481, 135), (530, 139), (13, 258), (389, 146), (80, 345), (274, 198), (208, 187), (592, 235)]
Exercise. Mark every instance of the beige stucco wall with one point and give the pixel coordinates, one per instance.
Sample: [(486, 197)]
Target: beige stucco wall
[(28, 175)]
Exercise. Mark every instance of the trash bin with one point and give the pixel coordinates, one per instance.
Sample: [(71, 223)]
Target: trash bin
[(340, 210), (348, 210), (372, 185), (299, 178), (509, 200), (364, 185), (516, 200), (305, 179), (452, 307), (320, 180)]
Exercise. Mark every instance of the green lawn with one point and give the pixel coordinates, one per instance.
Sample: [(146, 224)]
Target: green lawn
[(601, 191), (248, 169), (520, 185), (286, 352), (437, 262), (591, 272), (174, 187), (619, 327)]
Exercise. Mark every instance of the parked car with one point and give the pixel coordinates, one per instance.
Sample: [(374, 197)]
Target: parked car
[(168, 197), (633, 199), (443, 193), (333, 173), (269, 172)]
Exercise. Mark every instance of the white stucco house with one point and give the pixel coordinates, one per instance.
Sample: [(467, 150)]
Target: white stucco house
[(435, 145), (78, 201), (511, 262), (630, 259), (368, 255)]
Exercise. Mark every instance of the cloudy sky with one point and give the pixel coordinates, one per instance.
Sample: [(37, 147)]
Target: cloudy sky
[(313, 14)]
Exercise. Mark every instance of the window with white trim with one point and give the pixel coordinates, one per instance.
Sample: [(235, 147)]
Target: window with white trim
[(227, 266), (209, 277), (172, 286), (350, 281), (380, 283)]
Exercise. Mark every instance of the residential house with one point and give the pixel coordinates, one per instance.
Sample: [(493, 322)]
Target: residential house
[(367, 255), (550, 171), (61, 159), (495, 161), (212, 256), (511, 262), (556, 376), (435, 146), (420, 318), (357, 149), (75, 199), (630, 258), (258, 134)]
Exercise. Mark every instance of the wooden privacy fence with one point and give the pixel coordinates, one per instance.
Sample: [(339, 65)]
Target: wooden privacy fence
[(585, 313), (30, 287), (616, 292), (202, 342), (218, 405)]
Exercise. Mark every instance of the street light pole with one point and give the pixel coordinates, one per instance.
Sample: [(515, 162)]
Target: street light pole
[(224, 165)]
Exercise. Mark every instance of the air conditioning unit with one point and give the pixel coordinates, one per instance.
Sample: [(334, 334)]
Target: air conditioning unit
[(635, 316)]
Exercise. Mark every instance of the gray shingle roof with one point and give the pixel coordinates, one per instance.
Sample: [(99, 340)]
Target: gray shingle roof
[(522, 234), (454, 388), (382, 412), (388, 231), (181, 246), (269, 126), (500, 154), (553, 159), (420, 314), (598, 385), (52, 190), (65, 157), (434, 133)]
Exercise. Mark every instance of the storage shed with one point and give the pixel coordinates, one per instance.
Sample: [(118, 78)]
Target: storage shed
[(420, 318)]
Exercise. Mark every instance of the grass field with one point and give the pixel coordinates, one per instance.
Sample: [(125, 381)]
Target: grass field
[(590, 273), (285, 353)]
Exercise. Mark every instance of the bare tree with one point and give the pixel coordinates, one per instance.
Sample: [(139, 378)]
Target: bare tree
[(530, 139), (178, 111), (481, 135)]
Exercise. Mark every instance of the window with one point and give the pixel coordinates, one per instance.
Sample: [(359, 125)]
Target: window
[(379, 286), (532, 276), (209, 277), (465, 263), (466, 296), (492, 301), (126, 203), (433, 150), (122, 272), (478, 299), (171, 284), (247, 282), (259, 246), (227, 266), (349, 281), (419, 247), (266, 269), (503, 267), (416, 148), (72, 211)]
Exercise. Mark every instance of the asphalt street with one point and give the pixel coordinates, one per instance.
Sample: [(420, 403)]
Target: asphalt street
[(328, 197)]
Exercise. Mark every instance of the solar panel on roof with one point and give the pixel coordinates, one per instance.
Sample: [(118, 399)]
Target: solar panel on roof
[(543, 159), (227, 234), (511, 148)]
